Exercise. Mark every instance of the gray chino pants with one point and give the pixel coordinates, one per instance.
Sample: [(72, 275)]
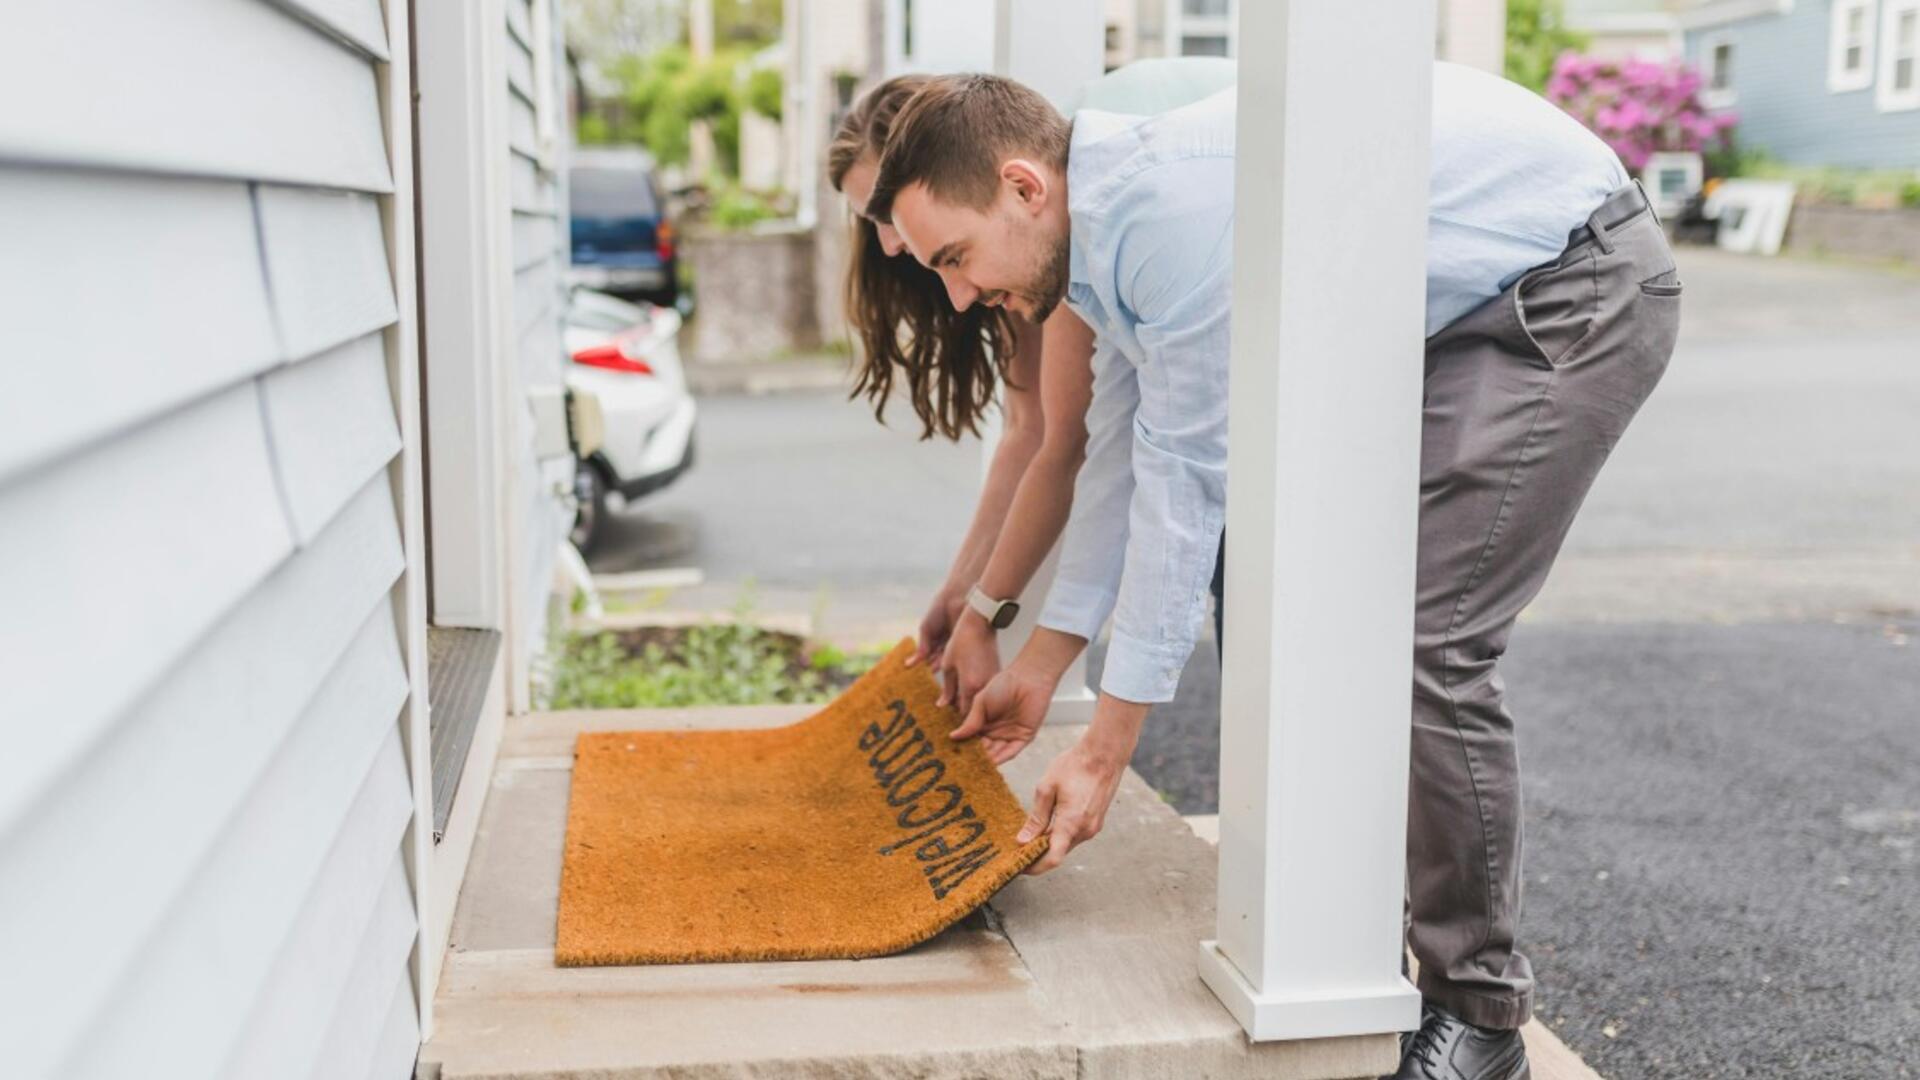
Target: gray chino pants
[(1525, 397)]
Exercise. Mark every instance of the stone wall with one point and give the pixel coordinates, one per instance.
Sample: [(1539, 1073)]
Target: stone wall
[(1854, 233), (754, 293)]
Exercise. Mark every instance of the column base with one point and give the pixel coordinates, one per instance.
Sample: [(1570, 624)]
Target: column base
[(1268, 1017)]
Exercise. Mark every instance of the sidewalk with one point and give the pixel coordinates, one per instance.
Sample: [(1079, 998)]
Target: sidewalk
[(812, 371)]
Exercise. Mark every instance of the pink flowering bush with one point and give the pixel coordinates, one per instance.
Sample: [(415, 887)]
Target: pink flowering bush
[(1638, 106)]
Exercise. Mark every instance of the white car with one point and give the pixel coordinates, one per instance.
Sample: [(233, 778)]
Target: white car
[(628, 357)]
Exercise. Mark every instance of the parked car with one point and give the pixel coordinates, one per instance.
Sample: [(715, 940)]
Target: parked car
[(621, 237), (628, 357)]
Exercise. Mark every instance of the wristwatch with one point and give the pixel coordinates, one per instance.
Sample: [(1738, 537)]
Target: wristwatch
[(998, 613)]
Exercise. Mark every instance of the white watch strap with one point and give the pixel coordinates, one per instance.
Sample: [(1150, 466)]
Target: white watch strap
[(983, 605)]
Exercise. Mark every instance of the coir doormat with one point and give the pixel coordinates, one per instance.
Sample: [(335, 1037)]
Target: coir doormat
[(860, 831)]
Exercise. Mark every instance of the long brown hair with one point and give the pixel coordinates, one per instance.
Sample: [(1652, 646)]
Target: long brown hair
[(950, 360)]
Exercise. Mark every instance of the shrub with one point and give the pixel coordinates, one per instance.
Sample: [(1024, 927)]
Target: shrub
[(1639, 107), (663, 94), (726, 663), (738, 208), (766, 92)]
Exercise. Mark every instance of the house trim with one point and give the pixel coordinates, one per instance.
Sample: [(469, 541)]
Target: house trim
[(395, 83), (1840, 79), (1886, 97), (463, 203), (1624, 22), (1720, 12)]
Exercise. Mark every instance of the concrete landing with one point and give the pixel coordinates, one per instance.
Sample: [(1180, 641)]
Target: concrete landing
[(1086, 972)]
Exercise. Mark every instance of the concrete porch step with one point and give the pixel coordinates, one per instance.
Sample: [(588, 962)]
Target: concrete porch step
[(1547, 1056), (1086, 972)]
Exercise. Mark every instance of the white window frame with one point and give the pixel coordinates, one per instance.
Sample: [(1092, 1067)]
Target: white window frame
[(1718, 97), (1886, 97), (1179, 26), (1840, 78)]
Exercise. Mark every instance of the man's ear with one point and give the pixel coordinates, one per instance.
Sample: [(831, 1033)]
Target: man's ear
[(1029, 182)]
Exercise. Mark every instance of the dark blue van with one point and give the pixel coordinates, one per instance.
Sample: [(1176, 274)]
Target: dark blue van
[(622, 240)]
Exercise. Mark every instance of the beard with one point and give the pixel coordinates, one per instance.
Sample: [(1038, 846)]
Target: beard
[(1049, 284), (1046, 282)]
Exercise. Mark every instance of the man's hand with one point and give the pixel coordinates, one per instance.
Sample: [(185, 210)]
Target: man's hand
[(1070, 805), (1008, 711), (972, 659), (936, 626)]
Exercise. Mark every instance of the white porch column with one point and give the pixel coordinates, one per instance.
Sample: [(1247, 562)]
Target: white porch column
[(1328, 303), (1056, 47)]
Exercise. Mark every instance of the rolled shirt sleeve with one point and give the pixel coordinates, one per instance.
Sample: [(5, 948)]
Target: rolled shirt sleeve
[(1173, 272), (1093, 549)]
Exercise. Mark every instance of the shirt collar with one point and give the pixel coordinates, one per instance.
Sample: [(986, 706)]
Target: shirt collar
[(1084, 169)]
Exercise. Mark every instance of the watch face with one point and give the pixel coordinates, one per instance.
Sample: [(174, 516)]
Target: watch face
[(1004, 617)]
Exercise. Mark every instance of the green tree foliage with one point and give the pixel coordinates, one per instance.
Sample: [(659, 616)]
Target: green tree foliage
[(747, 23), (1537, 33), (766, 91), (664, 93)]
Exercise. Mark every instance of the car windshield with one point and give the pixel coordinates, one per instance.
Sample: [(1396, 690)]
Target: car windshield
[(612, 193)]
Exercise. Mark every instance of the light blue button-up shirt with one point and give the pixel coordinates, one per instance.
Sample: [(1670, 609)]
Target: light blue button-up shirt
[(1151, 203)]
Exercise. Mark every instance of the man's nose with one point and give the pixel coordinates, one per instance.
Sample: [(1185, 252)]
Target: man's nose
[(890, 241), (961, 293)]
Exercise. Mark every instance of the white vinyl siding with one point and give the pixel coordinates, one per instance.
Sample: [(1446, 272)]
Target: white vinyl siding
[(204, 791), (1784, 60)]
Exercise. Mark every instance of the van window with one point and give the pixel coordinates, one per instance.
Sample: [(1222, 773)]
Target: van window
[(612, 193)]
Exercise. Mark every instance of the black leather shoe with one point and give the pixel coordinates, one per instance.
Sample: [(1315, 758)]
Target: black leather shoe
[(1448, 1048)]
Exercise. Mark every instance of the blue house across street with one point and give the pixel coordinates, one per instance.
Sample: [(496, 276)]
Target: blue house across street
[(1814, 82)]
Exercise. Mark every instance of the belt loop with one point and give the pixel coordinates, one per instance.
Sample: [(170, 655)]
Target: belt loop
[(1652, 211), (1598, 228)]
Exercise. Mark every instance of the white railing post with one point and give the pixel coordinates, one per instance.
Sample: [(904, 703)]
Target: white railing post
[(1324, 420), (1055, 47)]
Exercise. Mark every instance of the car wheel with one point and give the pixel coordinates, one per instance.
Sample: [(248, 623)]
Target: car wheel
[(590, 517)]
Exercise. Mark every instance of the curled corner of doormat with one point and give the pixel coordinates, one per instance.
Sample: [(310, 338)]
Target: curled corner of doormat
[(860, 831)]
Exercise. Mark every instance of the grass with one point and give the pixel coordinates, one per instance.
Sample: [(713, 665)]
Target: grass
[(730, 663), (1879, 189)]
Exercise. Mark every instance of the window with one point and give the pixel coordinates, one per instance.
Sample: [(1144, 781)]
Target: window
[(1717, 57), (600, 192), (1899, 56), (1201, 27), (1850, 46)]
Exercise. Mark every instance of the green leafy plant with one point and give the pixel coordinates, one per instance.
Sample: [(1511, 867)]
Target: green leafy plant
[(663, 94), (738, 208), (1732, 158), (766, 92), (731, 663), (1876, 189), (1537, 33)]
